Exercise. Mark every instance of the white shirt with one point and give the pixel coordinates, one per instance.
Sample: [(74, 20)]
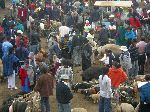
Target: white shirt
[(63, 30), (105, 86)]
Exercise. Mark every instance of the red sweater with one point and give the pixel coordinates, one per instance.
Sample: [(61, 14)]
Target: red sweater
[(117, 76), (135, 23)]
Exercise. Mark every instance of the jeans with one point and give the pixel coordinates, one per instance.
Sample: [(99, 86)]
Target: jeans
[(64, 107), (134, 70), (104, 104), (45, 106)]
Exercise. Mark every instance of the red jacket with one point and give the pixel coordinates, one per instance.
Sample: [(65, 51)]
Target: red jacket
[(135, 23), (25, 39), (1, 29), (32, 6), (22, 14), (117, 76), (23, 75)]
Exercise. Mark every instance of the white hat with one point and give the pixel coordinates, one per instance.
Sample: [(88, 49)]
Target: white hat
[(86, 4), (103, 58), (19, 31), (123, 48), (64, 77), (111, 16), (87, 21)]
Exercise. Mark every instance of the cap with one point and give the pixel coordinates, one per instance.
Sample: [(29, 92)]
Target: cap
[(19, 31)]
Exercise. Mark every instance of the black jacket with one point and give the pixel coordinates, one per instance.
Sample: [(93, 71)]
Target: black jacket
[(63, 93), (34, 38), (133, 53)]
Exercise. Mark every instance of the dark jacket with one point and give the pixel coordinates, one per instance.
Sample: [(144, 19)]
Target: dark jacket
[(34, 38), (44, 85), (63, 93), (22, 53), (103, 36), (133, 53)]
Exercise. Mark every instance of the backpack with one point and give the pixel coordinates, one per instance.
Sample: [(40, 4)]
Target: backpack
[(147, 49)]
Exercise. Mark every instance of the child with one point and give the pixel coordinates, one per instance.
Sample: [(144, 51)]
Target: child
[(26, 77)]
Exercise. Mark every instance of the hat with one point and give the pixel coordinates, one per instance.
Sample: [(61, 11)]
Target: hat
[(87, 21), (123, 48), (19, 31), (111, 16), (64, 77), (103, 58)]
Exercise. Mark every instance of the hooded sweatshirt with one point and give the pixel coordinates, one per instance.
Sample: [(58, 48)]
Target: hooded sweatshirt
[(117, 76)]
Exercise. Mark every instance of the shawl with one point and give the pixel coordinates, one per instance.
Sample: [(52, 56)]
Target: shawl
[(23, 75)]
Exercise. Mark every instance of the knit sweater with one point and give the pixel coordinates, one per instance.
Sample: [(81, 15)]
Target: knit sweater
[(117, 76)]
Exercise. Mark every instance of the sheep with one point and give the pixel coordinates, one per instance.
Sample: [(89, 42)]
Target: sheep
[(78, 110), (92, 73), (115, 48), (123, 107), (95, 97), (139, 78), (83, 85)]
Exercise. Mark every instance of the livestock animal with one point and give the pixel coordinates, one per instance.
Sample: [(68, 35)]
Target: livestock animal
[(78, 110), (95, 97), (83, 85), (113, 47), (92, 73), (123, 107)]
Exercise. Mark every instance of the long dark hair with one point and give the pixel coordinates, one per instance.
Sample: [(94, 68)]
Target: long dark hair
[(105, 71)]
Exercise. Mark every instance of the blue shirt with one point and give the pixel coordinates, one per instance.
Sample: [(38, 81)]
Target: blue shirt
[(130, 35)]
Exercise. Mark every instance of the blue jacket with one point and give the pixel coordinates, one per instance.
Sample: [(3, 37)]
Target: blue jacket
[(145, 93), (130, 35), (9, 64), (22, 53), (5, 47), (63, 93)]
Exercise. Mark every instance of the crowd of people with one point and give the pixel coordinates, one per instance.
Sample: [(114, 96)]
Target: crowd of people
[(73, 42)]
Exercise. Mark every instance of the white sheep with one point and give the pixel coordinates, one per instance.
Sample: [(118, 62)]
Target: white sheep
[(126, 107), (78, 110), (123, 107), (113, 47)]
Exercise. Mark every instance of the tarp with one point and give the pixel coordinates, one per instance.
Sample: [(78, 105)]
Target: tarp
[(113, 3)]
